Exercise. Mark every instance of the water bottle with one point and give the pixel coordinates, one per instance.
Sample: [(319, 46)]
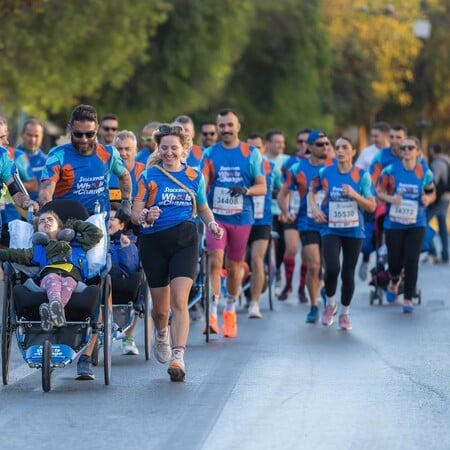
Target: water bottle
[(97, 207), (30, 213)]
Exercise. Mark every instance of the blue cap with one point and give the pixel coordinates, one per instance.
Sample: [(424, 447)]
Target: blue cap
[(314, 135)]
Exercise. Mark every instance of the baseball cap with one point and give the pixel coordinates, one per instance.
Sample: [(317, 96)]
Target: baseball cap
[(314, 135)]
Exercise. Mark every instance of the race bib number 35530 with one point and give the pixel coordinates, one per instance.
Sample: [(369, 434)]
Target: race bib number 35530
[(343, 214)]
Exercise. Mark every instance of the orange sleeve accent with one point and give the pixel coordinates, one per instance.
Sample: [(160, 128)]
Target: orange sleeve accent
[(315, 182), (245, 149), (103, 154), (356, 174), (191, 173), (196, 150), (64, 180), (266, 166), (376, 173), (208, 172), (139, 167), (152, 191), (302, 187), (419, 171)]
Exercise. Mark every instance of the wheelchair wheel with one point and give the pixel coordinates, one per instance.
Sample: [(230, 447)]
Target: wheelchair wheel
[(148, 321), (270, 268), (46, 366), (107, 328), (419, 296), (206, 293), (7, 331)]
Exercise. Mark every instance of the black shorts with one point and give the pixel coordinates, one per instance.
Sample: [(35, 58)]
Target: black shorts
[(310, 237), (290, 226), (170, 254), (259, 232)]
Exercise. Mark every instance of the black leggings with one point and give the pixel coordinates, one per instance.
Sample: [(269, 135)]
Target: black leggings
[(404, 252), (331, 249)]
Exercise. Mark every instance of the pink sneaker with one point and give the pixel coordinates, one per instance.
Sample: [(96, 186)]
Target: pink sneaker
[(344, 322), (327, 315)]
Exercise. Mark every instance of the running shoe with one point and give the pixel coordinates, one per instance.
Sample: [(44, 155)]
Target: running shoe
[(229, 328), (177, 370), (391, 295), (313, 315), (328, 315), (84, 368), (344, 322), (302, 294), (196, 312), (363, 270), (57, 313), (46, 318), (213, 325), (253, 311), (408, 306), (285, 293), (129, 346), (162, 349)]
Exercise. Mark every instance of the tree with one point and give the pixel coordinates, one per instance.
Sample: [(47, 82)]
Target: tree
[(54, 52)]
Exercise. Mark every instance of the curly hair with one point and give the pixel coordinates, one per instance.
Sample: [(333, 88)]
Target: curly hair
[(172, 129)]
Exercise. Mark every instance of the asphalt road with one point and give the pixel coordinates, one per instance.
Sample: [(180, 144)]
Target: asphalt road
[(281, 384)]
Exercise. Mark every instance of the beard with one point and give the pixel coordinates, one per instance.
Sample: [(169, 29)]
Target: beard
[(85, 148)]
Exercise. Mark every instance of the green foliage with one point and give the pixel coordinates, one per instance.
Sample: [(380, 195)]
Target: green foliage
[(281, 80), (65, 50), (190, 60)]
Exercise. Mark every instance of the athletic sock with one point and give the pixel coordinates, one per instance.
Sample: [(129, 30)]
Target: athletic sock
[(289, 266)]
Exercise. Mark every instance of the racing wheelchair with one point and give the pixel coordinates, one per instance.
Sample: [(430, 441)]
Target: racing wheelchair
[(88, 311)]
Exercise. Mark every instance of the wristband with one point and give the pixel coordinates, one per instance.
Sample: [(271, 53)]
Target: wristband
[(213, 222)]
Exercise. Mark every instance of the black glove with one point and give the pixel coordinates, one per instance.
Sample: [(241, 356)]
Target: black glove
[(236, 191), (124, 211)]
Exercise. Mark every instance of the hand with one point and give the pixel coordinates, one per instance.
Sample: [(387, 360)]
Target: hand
[(215, 229), (148, 216), (236, 191), (348, 191), (396, 199), (124, 211), (124, 240)]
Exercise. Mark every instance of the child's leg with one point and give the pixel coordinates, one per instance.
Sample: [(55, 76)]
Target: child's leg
[(51, 283), (68, 285)]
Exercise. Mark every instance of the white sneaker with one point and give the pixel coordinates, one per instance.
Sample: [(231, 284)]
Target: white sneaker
[(129, 346), (363, 270), (253, 311), (177, 370), (163, 351)]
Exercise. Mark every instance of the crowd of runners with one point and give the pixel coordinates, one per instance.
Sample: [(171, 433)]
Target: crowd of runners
[(327, 203)]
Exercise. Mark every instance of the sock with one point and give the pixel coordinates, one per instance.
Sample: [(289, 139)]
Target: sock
[(213, 305), (345, 309), (163, 333), (289, 266), (303, 270), (231, 303), (331, 300), (178, 352)]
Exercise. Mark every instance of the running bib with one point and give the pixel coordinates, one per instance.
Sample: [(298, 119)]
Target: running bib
[(258, 206), (320, 195), (343, 214), (294, 202), (404, 213), (225, 204)]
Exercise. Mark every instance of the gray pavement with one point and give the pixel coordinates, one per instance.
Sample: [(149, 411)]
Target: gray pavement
[(281, 384)]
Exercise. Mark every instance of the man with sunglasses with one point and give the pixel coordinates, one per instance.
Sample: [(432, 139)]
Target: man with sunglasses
[(234, 174), (208, 134), (81, 170), (109, 125), (147, 141)]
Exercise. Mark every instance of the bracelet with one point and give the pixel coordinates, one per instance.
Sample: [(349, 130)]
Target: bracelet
[(210, 224)]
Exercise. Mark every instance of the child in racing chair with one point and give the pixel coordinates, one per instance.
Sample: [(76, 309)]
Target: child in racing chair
[(57, 259), (125, 267)]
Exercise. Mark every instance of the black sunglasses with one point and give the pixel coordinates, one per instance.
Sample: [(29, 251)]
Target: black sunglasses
[(208, 133), (301, 141), (321, 144), (408, 147), (80, 134), (110, 128), (170, 129)]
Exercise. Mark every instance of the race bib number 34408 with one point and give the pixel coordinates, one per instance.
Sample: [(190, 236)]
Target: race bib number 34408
[(225, 204)]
